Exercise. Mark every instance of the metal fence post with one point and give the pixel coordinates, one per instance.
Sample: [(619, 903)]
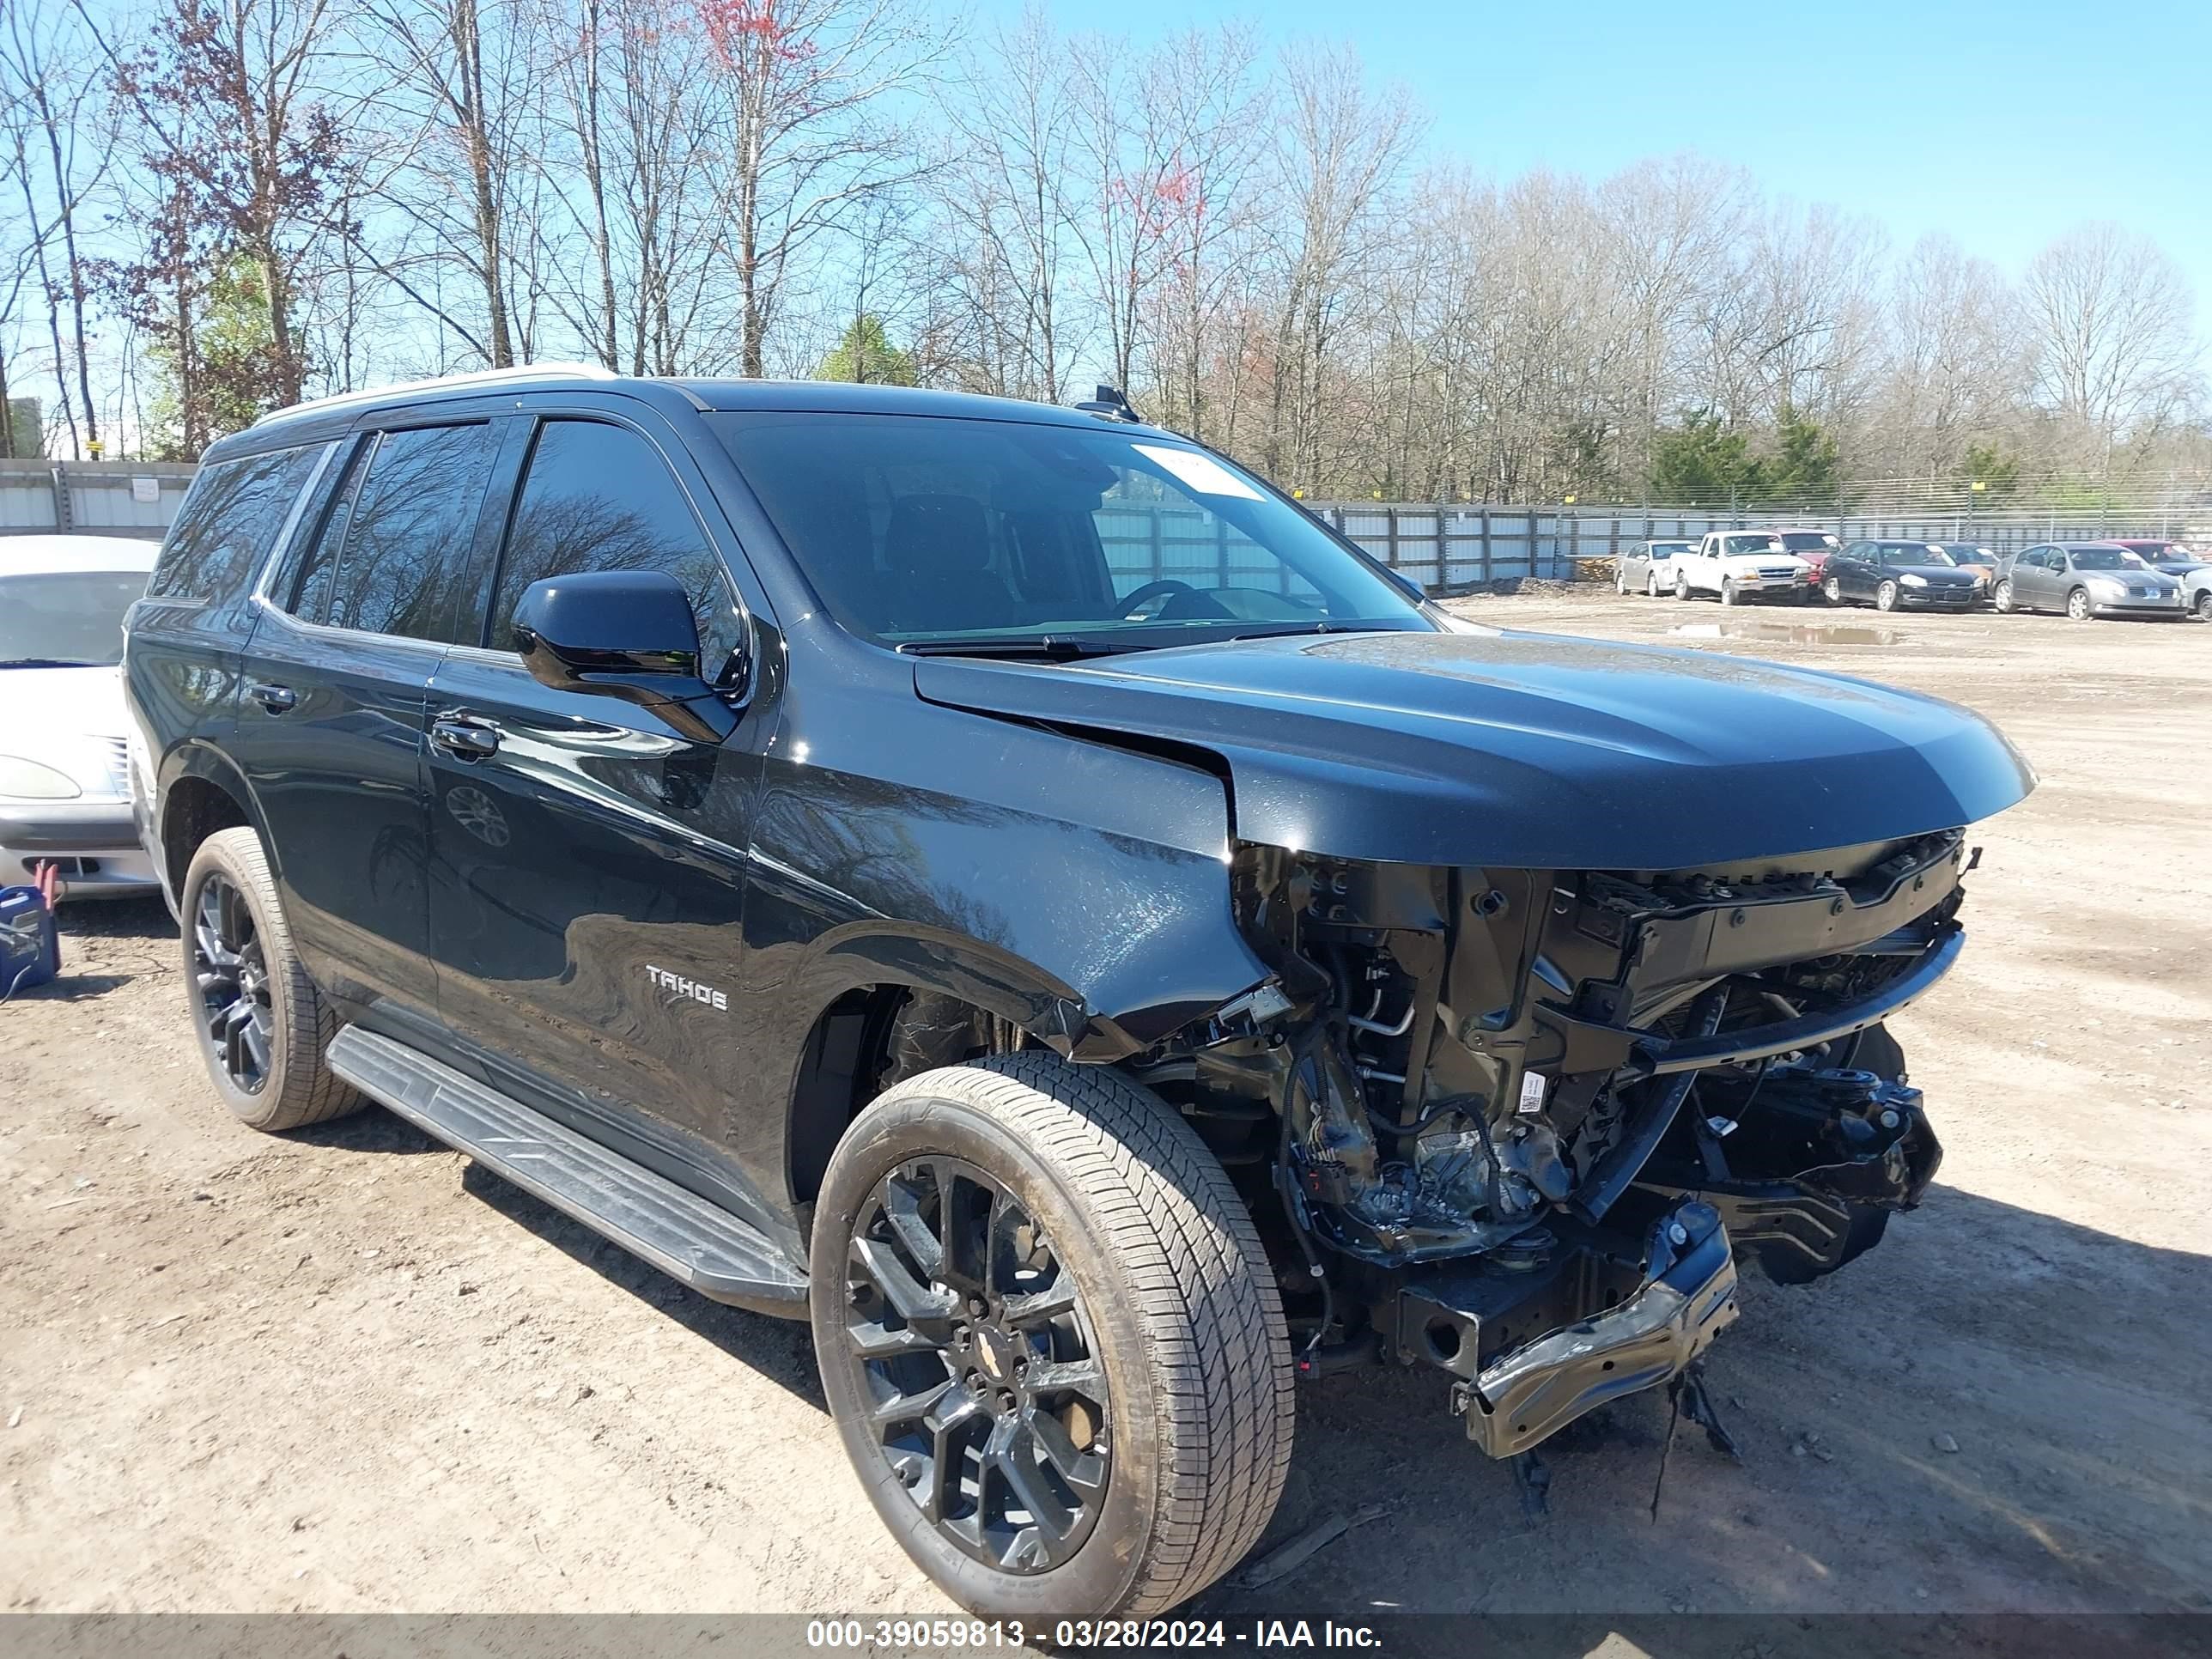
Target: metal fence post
[(1532, 541), (64, 518), (1486, 545), (1390, 536)]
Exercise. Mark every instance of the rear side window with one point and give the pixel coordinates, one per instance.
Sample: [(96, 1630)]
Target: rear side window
[(228, 523), (394, 556), (600, 497)]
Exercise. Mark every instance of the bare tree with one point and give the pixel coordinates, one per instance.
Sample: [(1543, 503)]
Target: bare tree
[(810, 132), (1341, 153), (2109, 319), (48, 76), (456, 74)]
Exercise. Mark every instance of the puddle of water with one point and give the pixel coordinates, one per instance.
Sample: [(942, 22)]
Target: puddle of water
[(1793, 633)]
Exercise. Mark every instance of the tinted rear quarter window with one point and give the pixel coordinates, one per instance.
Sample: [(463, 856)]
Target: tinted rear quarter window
[(228, 523)]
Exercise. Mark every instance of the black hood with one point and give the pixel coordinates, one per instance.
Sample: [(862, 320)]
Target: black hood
[(1526, 750), (1938, 575)]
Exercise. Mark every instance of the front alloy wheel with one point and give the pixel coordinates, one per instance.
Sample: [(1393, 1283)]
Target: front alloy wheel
[(2205, 605), (1681, 586), (1832, 590), (1049, 1339), (988, 1402), (2003, 598), (1729, 595), (1885, 596), (2077, 605)]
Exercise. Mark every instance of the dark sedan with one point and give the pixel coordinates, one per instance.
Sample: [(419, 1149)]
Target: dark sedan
[(1899, 576), (2085, 580), (2172, 557)]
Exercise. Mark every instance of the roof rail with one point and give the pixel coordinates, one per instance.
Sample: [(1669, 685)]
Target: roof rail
[(487, 377)]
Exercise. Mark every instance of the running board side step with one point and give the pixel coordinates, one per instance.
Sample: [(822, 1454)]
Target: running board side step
[(679, 1232)]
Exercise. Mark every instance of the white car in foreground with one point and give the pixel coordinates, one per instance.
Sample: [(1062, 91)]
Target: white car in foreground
[(1737, 565), (65, 771)]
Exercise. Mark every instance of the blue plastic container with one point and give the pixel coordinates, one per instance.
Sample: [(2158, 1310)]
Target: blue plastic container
[(30, 949)]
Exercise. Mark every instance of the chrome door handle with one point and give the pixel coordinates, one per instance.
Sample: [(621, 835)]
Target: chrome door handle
[(277, 699), (464, 737)]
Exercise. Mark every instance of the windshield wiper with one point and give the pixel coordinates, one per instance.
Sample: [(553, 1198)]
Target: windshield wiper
[(1053, 647), (50, 662)]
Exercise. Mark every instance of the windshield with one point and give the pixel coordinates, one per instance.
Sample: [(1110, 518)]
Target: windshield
[(1668, 550), (1916, 553), (66, 618), (1736, 544), (1970, 556), (1804, 541), (924, 528), (2106, 558)]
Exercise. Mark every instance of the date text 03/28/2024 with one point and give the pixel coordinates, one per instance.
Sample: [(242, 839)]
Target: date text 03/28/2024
[(955, 1634)]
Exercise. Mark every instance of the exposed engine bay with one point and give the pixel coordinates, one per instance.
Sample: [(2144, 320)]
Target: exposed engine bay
[(1518, 1124)]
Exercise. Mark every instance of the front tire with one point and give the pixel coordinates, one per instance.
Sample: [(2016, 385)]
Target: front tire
[(1046, 1270), (1728, 594), (1681, 586), (2205, 605), (2077, 605), (1832, 590), (264, 1027), (2002, 599), (1885, 596)]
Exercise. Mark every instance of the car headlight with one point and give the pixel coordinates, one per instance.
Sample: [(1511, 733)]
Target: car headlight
[(28, 779), (2110, 587), (1911, 580)]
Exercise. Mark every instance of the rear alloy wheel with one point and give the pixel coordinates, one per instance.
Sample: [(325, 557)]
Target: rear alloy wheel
[(1885, 596), (2003, 598), (1832, 590), (262, 1024), (1050, 1340), (2077, 605)]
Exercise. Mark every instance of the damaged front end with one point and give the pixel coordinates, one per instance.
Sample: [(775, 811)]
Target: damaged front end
[(1517, 1125)]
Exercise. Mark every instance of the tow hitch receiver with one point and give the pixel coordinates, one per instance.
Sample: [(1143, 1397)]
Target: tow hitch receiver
[(1533, 1390)]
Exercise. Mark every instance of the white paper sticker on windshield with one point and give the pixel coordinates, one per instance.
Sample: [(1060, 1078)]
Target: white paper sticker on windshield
[(1201, 472)]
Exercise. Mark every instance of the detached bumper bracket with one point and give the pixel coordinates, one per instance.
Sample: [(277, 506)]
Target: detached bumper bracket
[(1524, 1396)]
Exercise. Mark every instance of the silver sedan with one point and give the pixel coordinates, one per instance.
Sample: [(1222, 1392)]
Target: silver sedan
[(1648, 568)]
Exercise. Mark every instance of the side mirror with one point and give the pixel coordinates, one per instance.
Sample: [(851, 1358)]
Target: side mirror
[(627, 634)]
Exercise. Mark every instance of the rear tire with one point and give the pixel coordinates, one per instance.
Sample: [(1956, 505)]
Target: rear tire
[(1171, 1307), (264, 1027)]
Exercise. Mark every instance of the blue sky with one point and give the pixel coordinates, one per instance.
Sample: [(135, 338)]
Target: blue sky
[(2005, 124)]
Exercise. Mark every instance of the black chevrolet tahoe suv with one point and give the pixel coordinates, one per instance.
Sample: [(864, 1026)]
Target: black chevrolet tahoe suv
[(1010, 886)]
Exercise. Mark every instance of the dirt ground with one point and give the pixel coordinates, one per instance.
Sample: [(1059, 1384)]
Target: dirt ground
[(345, 1370)]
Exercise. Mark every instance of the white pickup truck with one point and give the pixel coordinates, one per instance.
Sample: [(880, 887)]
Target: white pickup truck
[(1740, 565)]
